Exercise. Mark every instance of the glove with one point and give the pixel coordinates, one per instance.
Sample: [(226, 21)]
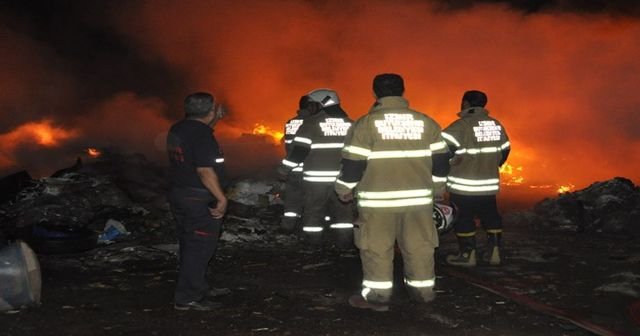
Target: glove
[(439, 190), (283, 173), (346, 198)]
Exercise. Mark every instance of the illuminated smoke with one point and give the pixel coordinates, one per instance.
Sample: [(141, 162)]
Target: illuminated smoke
[(562, 83), (561, 77)]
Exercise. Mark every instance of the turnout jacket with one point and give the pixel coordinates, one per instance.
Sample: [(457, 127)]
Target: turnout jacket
[(317, 145), (394, 158), (290, 129), (481, 145)]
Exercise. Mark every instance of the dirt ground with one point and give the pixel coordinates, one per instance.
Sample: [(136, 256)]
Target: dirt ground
[(283, 287)]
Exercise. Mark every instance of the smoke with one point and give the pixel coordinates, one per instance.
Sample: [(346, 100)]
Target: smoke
[(561, 80), (560, 75)]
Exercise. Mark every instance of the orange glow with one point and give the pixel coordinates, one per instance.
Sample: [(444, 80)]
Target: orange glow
[(531, 67), (93, 152), (562, 83), (265, 130), (511, 175), (41, 132), (566, 188)]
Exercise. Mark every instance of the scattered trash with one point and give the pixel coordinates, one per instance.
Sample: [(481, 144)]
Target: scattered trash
[(112, 230), (313, 266), (20, 280), (611, 206)]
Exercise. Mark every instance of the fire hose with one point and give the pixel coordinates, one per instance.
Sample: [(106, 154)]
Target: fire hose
[(533, 304)]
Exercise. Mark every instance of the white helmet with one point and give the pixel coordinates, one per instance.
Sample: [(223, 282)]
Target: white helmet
[(326, 97), (444, 217)]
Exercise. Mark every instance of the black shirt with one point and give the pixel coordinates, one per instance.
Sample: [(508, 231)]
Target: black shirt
[(191, 144)]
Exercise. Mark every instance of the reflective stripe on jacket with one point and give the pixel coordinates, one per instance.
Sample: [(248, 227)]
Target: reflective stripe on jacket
[(479, 142), (323, 135), (397, 144)]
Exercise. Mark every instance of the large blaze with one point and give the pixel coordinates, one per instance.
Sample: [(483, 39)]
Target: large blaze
[(260, 129), (562, 83), (42, 132), (38, 133)]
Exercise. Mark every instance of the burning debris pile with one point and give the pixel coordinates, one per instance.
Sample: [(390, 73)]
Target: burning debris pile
[(611, 206), (123, 195), (75, 204)]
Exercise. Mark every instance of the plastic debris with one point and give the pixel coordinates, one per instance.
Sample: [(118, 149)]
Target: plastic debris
[(112, 230)]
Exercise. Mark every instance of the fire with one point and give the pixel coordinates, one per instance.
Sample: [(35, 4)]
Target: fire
[(514, 176), (93, 152), (41, 132), (265, 130), (563, 189)]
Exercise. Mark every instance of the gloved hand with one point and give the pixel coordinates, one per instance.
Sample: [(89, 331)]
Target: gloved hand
[(346, 198), (283, 172), (439, 191)]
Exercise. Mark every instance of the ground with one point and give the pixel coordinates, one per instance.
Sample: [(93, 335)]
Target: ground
[(284, 287)]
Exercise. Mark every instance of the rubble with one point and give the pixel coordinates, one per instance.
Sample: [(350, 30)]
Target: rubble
[(275, 277), (119, 198), (611, 206)]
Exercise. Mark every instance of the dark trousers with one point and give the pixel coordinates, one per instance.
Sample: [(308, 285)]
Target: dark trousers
[(320, 200), (293, 194), (198, 234), (484, 207)]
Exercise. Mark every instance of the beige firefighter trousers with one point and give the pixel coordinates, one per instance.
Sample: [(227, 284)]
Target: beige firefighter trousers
[(375, 235)]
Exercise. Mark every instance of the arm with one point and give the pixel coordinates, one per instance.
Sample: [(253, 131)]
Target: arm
[(351, 173), (505, 155), (354, 160), (298, 150), (209, 178), (505, 148), (439, 164)]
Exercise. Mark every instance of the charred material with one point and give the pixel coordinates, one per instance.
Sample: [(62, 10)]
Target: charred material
[(611, 206), (11, 185)]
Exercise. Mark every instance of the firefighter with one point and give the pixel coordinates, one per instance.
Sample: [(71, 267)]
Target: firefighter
[(479, 145), (317, 146), (395, 160), (293, 196)]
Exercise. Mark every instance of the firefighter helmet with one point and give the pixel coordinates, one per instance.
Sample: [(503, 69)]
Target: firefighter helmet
[(444, 216), (326, 97)]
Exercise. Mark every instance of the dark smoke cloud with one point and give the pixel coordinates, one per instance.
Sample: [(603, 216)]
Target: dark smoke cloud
[(608, 7)]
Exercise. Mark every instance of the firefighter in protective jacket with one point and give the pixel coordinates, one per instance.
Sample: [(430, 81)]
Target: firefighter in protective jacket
[(395, 160), (480, 145), (293, 195), (317, 145)]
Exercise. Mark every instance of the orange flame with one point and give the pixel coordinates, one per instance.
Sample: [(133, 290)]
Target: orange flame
[(265, 130), (513, 178), (42, 132), (93, 152), (563, 189)]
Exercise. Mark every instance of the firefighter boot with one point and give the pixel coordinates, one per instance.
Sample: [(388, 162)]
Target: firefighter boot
[(494, 245), (467, 255)]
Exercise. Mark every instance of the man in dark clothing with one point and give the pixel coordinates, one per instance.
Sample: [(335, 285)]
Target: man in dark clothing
[(293, 194), (196, 197)]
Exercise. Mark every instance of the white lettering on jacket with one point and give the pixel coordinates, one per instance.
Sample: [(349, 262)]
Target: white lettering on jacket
[(487, 130), (292, 126), (397, 126), (335, 127)]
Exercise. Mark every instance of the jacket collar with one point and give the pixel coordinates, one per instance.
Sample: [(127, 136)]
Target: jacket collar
[(473, 111), (390, 102)]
